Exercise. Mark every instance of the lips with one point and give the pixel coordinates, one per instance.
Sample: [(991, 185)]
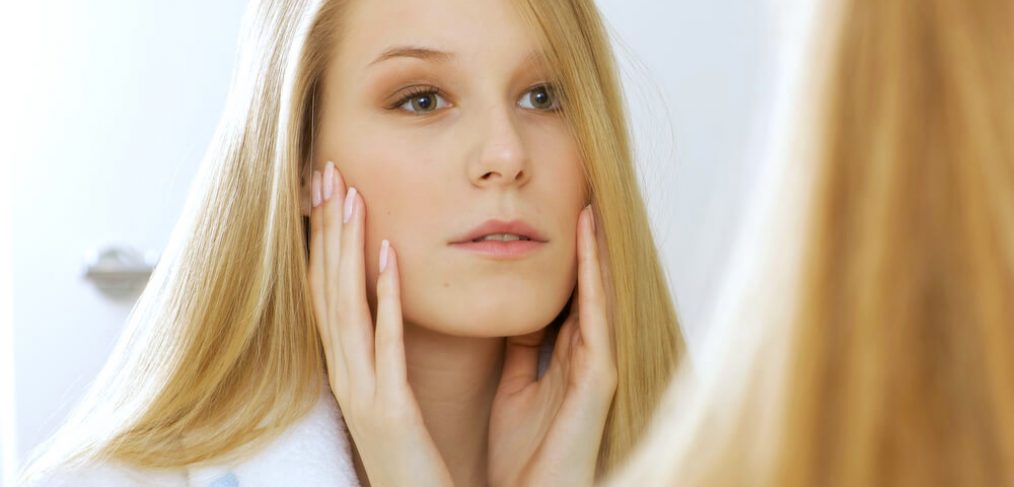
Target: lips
[(490, 227), (529, 244)]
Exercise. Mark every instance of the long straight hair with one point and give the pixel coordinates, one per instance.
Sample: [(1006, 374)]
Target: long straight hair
[(894, 364), (221, 352)]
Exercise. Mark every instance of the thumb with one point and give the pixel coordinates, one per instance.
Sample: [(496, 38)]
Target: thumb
[(521, 360)]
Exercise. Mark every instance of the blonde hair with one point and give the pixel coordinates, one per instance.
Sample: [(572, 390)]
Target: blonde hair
[(894, 364), (221, 353)]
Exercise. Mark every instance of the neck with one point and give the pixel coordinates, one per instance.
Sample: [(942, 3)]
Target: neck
[(454, 380)]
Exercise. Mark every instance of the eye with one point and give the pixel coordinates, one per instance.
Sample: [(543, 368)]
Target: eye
[(542, 97), (421, 99)]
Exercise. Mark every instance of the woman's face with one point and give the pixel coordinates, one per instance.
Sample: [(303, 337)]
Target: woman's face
[(436, 112)]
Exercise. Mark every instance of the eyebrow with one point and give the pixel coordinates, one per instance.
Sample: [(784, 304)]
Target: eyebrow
[(423, 53)]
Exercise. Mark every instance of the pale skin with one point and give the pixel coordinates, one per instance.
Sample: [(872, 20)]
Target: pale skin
[(433, 360)]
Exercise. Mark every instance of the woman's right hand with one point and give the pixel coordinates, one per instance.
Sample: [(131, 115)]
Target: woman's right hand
[(366, 367)]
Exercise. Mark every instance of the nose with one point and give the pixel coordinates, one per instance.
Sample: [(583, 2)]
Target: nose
[(501, 158)]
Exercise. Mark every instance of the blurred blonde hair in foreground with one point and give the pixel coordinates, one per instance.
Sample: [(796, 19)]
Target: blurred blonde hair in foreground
[(872, 341)]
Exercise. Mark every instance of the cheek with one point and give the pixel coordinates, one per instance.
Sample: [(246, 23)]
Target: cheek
[(559, 163), (403, 202), (558, 193)]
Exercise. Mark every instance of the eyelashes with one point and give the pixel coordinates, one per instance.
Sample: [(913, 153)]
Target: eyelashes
[(422, 99), (542, 97), (425, 99)]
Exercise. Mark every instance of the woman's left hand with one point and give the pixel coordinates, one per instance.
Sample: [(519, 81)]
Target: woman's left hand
[(547, 431)]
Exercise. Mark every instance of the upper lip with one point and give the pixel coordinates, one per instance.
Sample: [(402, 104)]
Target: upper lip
[(490, 227)]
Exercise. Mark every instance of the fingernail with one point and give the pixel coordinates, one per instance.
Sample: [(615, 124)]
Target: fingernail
[(384, 246), (328, 180), (350, 202), (591, 217), (315, 189)]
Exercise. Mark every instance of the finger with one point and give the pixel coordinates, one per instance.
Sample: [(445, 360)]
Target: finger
[(562, 346), (355, 322), (592, 318), (604, 269), (332, 196), (390, 345), (560, 363), (319, 285), (521, 360), (332, 191), (315, 273)]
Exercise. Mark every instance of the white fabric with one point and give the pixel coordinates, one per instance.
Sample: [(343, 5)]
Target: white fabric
[(313, 452)]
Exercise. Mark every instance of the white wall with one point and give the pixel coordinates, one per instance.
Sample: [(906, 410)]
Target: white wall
[(7, 413), (696, 75), (112, 103)]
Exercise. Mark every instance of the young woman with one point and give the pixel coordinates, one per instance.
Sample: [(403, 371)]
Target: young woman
[(881, 349), (405, 202)]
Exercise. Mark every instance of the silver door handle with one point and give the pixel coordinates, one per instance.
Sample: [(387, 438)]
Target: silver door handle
[(119, 269)]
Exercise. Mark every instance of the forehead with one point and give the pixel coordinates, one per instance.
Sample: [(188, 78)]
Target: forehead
[(472, 31)]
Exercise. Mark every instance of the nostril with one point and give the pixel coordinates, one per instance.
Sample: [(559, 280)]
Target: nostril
[(510, 177)]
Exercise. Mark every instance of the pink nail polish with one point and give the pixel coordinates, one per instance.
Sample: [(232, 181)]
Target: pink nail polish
[(350, 202), (315, 189), (328, 180), (384, 247)]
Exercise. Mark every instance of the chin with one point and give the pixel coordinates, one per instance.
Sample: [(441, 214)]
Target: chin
[(489, 317)]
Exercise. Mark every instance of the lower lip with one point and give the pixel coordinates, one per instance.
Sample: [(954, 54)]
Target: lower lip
[(499, 248)]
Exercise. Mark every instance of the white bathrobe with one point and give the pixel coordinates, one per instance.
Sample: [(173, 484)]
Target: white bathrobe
[(314, 451)]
